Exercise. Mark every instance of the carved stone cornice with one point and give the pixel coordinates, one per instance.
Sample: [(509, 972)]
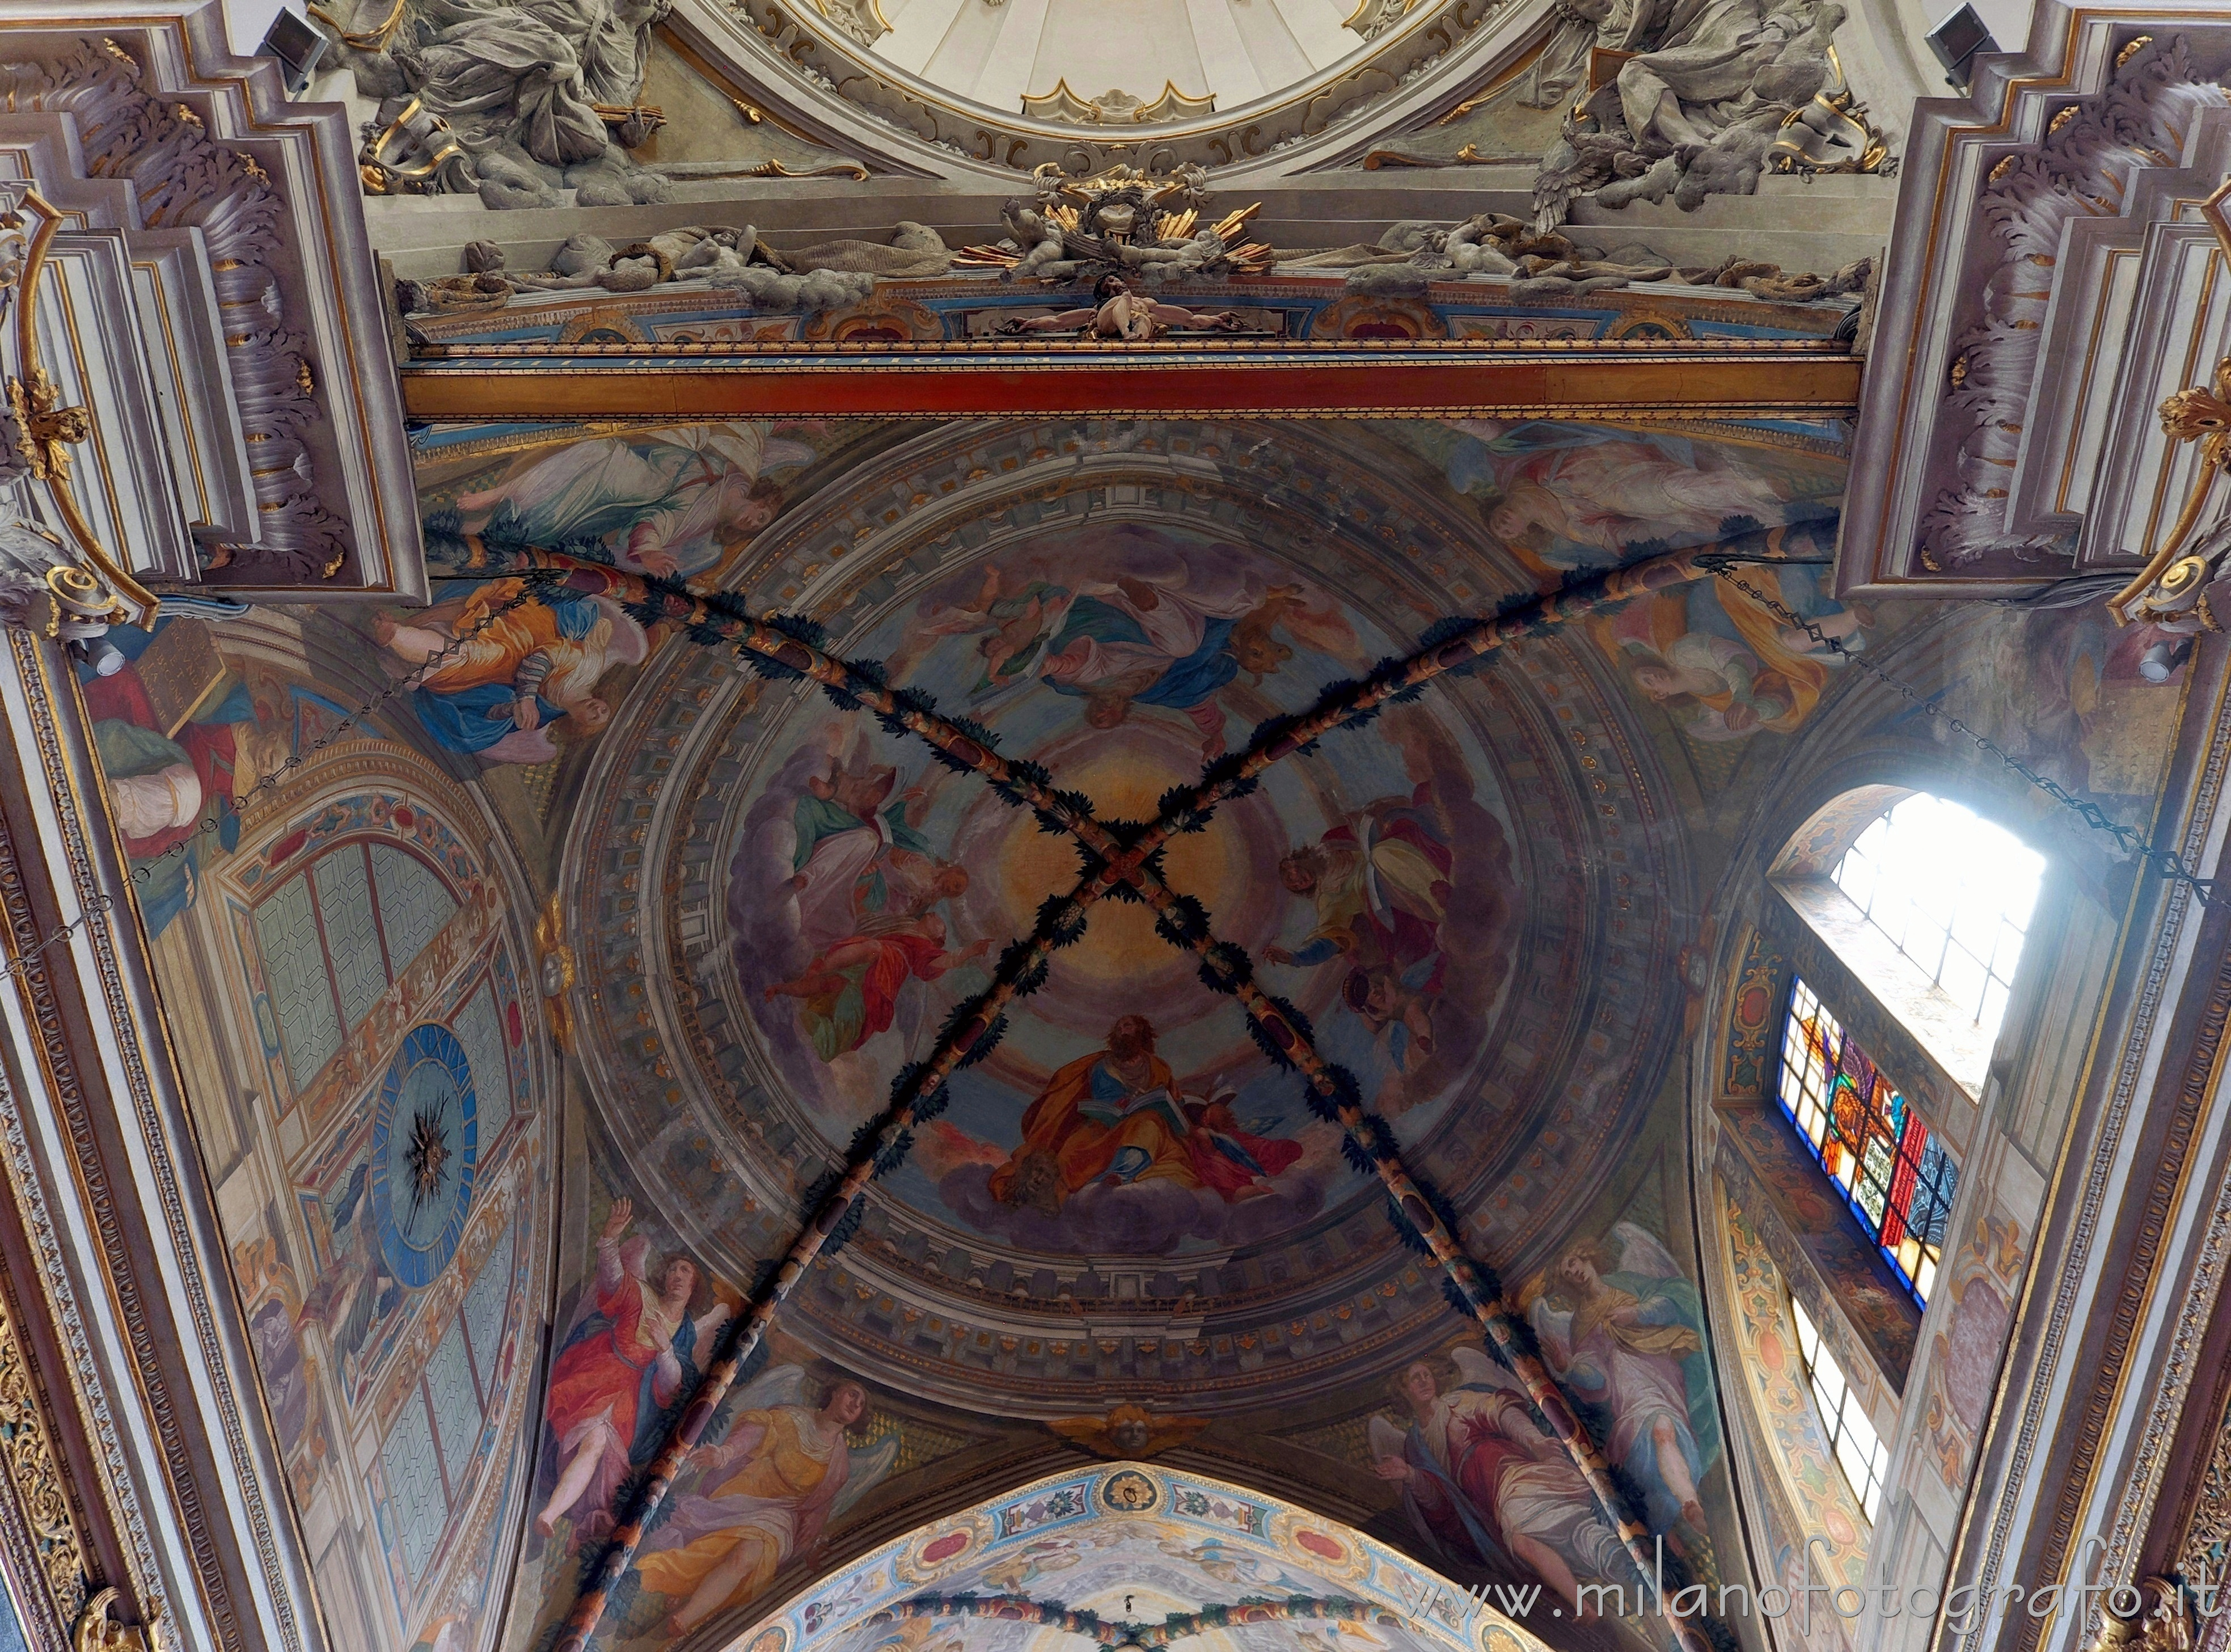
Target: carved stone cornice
[(2044, 292), (236, 381)]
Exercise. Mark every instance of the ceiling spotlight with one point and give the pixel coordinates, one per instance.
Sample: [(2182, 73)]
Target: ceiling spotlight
[(2159, 663), (1955, 42), (295, 47)]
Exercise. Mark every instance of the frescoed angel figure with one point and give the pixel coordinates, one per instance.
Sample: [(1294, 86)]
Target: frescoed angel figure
[(513, 680), (1159, 641), (1380, 881), (675, 501), (1624, 1329), (632, 1356), (766, 1491), (868, 889), (1562, 497), (1726, 666), (1012, 618), (1485, 1485)]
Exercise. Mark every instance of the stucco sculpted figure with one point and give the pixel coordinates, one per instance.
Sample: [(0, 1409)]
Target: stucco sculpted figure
[(827, 275), (538, 95), (1130, 317), (1696, 111)]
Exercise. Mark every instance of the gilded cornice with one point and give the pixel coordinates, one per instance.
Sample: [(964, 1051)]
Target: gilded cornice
[(39, 1533)]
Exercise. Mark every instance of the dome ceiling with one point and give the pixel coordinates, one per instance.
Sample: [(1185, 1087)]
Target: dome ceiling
[(1011, 85), (1119, 613), (1162, 60)]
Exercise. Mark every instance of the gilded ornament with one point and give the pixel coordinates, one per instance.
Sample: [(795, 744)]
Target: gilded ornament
[(374, 39), (2154, 1616), (1130, 1491), (34, 1471), (2199, 414), (556, 969), (1830, 134), (45, 430), (96, 1631)]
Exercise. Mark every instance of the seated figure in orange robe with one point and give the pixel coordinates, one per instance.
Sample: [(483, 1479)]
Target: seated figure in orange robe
[(1112, 1114)]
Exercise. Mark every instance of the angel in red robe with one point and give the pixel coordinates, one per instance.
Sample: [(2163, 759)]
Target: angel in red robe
[(624, 1365)]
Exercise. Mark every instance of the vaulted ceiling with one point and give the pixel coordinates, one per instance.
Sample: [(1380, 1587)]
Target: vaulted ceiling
[(1126, 1206)]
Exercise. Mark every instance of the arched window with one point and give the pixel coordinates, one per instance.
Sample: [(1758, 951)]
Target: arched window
[(1953, 892), (1923, 908), (1859, 1450)]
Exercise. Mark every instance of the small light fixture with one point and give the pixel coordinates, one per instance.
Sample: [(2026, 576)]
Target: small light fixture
[(2159, 663), (1955, 42), (295, 47)]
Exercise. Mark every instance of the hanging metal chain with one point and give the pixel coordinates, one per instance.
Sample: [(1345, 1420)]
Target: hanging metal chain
[(2168, 863), (140, 873)]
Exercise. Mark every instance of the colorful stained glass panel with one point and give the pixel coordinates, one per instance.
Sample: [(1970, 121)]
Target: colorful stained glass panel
[(1896, 1175)]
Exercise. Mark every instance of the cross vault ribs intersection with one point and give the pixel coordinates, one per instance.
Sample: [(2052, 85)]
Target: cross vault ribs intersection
[(1122, 863)]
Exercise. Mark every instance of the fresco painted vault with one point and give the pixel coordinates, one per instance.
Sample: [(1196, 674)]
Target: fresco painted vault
[(1293, 1107), (1126, 1223)]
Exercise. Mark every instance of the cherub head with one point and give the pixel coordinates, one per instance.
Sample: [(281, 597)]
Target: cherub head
[(1036, 1184), (1106, 708), (1300, 868)]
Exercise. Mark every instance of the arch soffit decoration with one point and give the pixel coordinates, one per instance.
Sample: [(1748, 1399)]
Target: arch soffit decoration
[(1130, 1531), (381, 790)]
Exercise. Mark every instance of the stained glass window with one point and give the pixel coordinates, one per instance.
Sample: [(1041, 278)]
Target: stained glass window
[(1859, 1450), (1893, 1172), (1953, 892)]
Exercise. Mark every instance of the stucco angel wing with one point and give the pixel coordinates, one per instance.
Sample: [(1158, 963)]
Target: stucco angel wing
[(1478, 1369), (1640, 1251), (869, 1464), (776, 1385)]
